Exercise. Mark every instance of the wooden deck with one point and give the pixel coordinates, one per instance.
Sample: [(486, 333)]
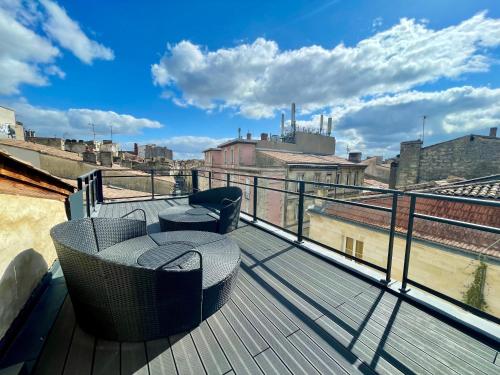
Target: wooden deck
[(291, 312)]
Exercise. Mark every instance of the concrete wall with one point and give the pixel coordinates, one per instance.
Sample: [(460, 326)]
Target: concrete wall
[(468, 157), (409, 162), (7, 119), (64, 168), (442, 269), (46, 141), (29, 156), (304, 142), (26, 249), (379, 172)]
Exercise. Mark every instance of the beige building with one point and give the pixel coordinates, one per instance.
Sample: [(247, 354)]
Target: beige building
[(443, 257), (9, 127), (32, 201)]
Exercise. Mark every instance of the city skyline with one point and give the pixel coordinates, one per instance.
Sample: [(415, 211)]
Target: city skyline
[(189, 75)]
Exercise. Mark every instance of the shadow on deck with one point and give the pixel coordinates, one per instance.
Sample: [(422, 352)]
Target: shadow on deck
[(291, 312)]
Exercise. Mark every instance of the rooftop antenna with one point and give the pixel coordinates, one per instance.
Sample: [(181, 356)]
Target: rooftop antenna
[(424, 117), (93, 129), (239, 133), (111, 126)]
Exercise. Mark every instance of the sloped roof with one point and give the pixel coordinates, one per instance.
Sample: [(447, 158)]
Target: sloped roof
[(484, 190), (41, 148), (300, 158), (449, 235)]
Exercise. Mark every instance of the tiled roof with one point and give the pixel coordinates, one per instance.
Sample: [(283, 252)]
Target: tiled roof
[(445, 234), (40, 148), (299, 158), (484, 190)]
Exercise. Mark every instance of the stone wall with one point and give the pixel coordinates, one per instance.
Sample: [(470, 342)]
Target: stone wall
[(26, 249), (46, 141), (469, 157)]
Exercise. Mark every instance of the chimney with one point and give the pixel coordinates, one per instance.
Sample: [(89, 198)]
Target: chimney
[(239, 133), (249, 136), (493, 132), (321, 124), (282, 124), (355, 157), (293, 119), (263, 136), (136, 149), (329, 127)]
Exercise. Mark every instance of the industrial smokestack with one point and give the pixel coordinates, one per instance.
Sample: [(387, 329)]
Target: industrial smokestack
[(321, 124), (282, 124), (294, 125), (329, 127)]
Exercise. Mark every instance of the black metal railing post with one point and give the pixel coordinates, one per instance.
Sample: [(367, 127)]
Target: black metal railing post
[(409, 236), (87, 196), (100, 194), (392, 230), (300, 221), (152, 184), (209, 179), (92, 190), (255, 184), (194, 180), (79, 183), (228, 179)]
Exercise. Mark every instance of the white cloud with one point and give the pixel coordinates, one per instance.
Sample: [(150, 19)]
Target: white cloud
[(257, 79), (377, 126), (74, 122), (26, 55), (69, 35)]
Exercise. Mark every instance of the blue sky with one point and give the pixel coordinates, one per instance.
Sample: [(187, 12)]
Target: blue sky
[(188, 74)]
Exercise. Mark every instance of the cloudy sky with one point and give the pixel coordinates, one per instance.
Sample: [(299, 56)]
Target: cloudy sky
[(189, 74)]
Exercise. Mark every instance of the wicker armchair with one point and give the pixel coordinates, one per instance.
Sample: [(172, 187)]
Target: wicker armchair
[(118, 301), (226, 201)]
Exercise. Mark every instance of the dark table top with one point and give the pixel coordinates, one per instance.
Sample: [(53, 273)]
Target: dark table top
[(187, 214)]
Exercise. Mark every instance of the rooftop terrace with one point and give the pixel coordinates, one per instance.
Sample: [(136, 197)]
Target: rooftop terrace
[(292, 312)]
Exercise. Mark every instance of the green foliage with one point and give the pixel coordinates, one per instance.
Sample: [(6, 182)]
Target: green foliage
[(474, 295)]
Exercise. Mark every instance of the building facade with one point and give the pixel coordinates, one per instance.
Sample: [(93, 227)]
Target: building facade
[(443, 257), (256, 157), (153, 151), (9, 127), (469, 157)]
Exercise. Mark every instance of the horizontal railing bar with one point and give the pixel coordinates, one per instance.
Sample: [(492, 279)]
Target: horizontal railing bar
[(459, 223), (481, 202), (146, 175), (352, 203), (356, 187), (454, 301)]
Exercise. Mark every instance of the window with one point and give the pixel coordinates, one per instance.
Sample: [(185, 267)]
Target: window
[(317, 178), (359, 249), (347, 179), (349, 245), (232, 155), (328, 179), (225, 156), (337, 181), (355, 182)]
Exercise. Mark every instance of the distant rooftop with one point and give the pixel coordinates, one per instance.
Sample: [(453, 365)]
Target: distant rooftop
[(300, 158)]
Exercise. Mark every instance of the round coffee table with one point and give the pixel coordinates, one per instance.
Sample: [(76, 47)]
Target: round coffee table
[(187, 218)]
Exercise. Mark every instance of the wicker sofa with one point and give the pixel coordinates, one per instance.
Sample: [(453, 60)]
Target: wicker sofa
[(225, 202), (123, 301)]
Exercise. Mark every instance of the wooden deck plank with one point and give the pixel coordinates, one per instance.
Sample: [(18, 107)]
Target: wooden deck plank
[(186, 357), (106, 358), (133, 358), (212, 356), (81, 353), (288, 354), (269, 363), (160, 357), (236, 353), (326, 342), (246, 332), (55, 350)]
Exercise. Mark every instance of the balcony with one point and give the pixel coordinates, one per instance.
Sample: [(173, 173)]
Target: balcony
[(295, 310)]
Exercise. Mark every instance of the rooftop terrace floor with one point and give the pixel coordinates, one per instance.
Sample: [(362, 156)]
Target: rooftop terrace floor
[(292, 312)]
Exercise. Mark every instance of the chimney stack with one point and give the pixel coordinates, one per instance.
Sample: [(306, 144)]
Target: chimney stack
[(282, 124), (493, 132), (249, 136), (321, 124), (294, 125), (239, 133), (329, 127), (355, 157), (263, 136)]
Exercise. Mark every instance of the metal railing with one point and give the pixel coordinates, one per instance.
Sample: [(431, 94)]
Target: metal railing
[(92, 184), (391, 195)]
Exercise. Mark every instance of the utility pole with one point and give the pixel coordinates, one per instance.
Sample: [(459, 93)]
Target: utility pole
[(424, 117)]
